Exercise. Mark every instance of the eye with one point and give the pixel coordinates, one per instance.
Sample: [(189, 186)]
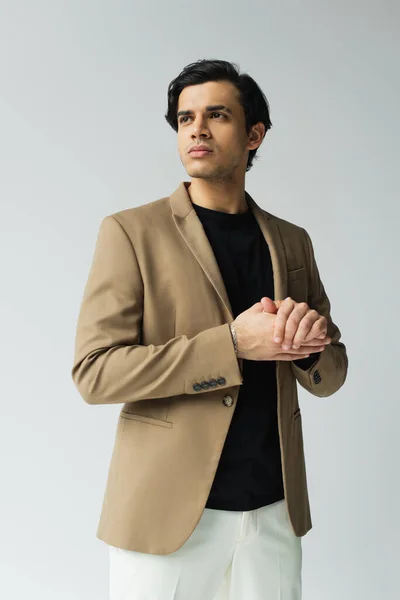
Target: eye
[(181, 119)]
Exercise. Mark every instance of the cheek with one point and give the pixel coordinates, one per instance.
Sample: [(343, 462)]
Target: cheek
[(182, 153), (234, 145), (233, 154), (183, 141)]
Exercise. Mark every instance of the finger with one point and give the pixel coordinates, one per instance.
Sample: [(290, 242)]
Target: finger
[(285, 356), (297, 354), (306, 349), (293, 323), (268, 305), (315, 342), (305, 326), (282, 316), (319, 329)]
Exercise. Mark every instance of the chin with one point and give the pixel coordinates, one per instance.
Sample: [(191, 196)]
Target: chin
[(201, 171)]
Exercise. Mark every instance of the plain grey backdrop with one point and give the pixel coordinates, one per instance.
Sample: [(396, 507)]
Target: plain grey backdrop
[(82, 134)]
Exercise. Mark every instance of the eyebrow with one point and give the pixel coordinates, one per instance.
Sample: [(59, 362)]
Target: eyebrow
[(208, 108)]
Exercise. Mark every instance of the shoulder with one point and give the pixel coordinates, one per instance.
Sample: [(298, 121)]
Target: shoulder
[(145, 217), (151, 210)]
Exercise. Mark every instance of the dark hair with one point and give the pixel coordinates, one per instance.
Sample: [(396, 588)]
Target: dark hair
[(252, 99)]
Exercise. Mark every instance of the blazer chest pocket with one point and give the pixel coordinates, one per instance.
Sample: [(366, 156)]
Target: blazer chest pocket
[(297, 284), (153, 411)]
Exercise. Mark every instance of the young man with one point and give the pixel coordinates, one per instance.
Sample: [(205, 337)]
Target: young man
[(200, 314)]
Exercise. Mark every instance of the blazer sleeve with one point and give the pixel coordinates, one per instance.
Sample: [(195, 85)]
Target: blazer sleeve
[(110, 366), (325, 376), (306, 363)]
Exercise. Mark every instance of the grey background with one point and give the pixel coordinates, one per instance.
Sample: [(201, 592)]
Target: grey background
[(83, 96)]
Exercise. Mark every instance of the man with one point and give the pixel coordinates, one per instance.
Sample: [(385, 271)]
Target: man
[(200, 314)]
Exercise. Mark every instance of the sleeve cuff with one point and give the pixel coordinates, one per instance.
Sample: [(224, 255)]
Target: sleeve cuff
[(307, 363)]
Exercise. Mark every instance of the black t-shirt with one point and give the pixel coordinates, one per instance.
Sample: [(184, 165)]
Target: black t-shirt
[(249, 473)]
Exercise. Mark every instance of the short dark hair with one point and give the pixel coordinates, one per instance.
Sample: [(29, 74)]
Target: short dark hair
[(251, 97)]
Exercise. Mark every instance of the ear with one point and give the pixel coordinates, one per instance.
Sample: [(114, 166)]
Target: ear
[(256, 136)]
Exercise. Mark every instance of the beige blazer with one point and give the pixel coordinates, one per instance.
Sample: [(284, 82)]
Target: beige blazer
[(153, 336)]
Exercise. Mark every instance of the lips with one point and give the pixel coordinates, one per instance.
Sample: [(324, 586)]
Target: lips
[(198, 149), (199, 153)]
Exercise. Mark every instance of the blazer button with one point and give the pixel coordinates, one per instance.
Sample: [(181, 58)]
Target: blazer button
[(197, 387), (317, 377), (228, 400), (204, 385), (212, 383), (221, 380)]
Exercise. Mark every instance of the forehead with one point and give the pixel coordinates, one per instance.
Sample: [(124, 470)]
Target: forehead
[(197, 97)]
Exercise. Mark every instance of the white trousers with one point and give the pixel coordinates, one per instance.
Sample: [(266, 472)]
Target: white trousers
[(230, 555)]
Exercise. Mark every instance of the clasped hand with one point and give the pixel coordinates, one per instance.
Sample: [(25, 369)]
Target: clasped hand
[(297, 324)]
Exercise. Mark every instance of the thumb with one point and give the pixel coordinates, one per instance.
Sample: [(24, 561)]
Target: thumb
[(268, 305)]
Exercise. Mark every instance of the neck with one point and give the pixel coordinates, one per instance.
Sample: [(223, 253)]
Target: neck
[(223, 196)]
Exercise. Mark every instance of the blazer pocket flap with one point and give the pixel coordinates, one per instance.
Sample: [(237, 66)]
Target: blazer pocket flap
[(145, 419), (297, 274)]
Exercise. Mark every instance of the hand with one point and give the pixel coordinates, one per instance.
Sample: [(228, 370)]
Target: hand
[(296, 324), (254, 332)]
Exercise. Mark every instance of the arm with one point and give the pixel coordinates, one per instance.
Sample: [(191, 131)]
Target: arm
[(109, 365), (329, 372)]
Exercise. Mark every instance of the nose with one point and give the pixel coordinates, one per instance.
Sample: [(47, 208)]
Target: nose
[(199, 128)]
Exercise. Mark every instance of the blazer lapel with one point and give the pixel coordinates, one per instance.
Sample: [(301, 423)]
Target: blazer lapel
[(270, 229), (191, 229)]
